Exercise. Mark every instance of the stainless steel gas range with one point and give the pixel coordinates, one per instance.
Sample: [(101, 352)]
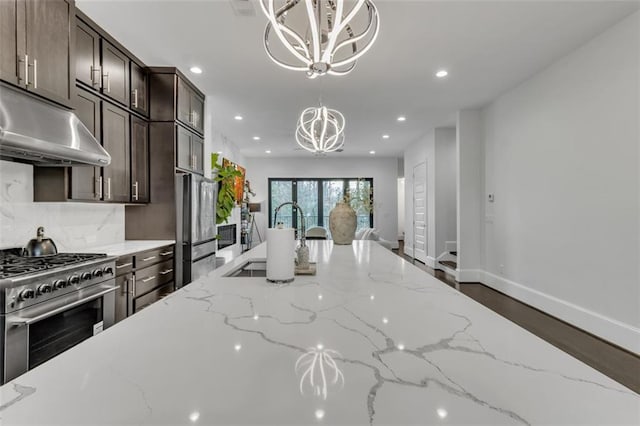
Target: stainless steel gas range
[(49, 304)]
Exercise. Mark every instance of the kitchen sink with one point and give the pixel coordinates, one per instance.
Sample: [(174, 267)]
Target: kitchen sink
[(251, 268)]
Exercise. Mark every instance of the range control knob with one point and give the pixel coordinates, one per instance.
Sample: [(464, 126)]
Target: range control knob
[(44, 288), (73, 279), (85, 276), (58, 284), (97, 273), (108, 270), (27, 294)]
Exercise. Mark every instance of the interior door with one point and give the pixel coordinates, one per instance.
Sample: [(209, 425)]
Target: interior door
[(420, 212)]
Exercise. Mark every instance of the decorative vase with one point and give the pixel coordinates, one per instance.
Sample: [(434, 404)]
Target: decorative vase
[(342, 223)]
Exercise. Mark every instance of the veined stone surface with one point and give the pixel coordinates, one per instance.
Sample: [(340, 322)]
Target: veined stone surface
[(370, 339)]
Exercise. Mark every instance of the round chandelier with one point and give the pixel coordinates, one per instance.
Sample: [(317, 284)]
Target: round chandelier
[(320, 36), (320, 130)]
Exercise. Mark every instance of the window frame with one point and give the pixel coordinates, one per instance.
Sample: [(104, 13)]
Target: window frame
[(320, 181)]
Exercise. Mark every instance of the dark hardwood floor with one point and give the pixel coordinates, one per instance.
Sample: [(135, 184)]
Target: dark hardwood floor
[(613, 361)]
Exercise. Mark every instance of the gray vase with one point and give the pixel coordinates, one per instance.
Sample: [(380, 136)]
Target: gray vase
[(342, 223)]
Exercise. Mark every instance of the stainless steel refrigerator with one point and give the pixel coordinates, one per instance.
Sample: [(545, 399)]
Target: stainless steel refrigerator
[(196, 222)]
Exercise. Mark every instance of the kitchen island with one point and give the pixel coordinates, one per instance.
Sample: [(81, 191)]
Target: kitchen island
[(370, 339)]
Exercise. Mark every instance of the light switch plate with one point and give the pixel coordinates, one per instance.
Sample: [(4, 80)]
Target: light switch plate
[(491, 198)]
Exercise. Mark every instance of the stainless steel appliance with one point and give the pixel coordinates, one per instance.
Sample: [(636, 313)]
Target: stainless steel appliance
[(49, 304), (38, 132), (196, 217)]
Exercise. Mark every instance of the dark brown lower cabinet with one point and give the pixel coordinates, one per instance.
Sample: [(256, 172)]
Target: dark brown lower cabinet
[(123, 282)]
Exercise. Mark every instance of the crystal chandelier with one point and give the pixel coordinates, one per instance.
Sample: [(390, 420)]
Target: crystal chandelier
[(322, 36), (320, 130)]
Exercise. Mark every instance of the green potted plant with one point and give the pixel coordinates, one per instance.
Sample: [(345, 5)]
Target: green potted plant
[(225, 176)]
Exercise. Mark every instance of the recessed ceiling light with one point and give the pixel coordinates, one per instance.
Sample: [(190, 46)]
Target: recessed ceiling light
[(372, 152), (196, 70), (238, 117), (268, 151), (385, 136), (256, 138), (442, 73), (402, 118)]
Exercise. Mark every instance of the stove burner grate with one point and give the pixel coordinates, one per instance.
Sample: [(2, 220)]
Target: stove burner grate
[(12, 264)]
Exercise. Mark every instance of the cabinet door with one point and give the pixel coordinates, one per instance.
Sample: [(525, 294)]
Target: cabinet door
[(184, 102), (139, 161), (197, 112), (115, 139), (87, 55), (115, 73), (85, 181), (183, 149), (123, 282), (139, 91), (48, 30), (197, 152), (12, 42)]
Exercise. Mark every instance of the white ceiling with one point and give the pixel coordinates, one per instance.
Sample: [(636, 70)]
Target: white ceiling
[(488, 47)]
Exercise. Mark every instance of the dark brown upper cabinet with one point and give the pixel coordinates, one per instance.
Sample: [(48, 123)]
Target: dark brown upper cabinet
[(86, 182), (190, 106), (189, 151), (116, 176), (88, 69), (115, 73), (173, 97), (35, 47), (139, 92), (139, 160)]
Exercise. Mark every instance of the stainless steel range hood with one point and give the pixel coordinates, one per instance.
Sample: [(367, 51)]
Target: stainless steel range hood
[(36, 132)]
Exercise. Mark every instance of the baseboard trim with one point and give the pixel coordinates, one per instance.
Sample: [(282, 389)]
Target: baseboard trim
[(469, 275), (614, 331)]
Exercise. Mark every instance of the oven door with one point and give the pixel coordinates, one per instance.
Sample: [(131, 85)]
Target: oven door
[(37, 334)]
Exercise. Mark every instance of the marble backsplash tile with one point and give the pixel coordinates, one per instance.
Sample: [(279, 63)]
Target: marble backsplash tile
[(72, 226)]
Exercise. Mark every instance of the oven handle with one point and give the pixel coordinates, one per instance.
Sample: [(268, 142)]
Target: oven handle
[(29, 321)]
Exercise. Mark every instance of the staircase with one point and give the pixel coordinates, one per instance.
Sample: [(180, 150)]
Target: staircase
[(448, 262)]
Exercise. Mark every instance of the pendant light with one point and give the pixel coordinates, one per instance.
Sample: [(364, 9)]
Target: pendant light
[(321, 36), (320, 130)]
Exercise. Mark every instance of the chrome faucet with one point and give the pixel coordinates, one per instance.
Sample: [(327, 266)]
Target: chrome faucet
[(302, 251)]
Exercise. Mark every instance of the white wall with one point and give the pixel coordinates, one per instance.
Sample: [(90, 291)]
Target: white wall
[(470, 154), (72, 226), (216, 142), (421, 151), (382, 170), (562, 157), (445, 188)]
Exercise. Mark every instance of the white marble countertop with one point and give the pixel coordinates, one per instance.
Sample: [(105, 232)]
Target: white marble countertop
[(128, 247), (370, 339)]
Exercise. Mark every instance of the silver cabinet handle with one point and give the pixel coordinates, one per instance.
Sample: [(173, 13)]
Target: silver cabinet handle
[(106, 75), (133, 285), (26, 70), (35, 73), (166, 253), (135, 98), (135, 189), (95, 80), (124, 265), (166, 272), (100, 187), (108, 188), (146, 259), (146, 280)]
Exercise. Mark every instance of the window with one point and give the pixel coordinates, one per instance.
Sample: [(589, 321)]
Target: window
[(316, 197)]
